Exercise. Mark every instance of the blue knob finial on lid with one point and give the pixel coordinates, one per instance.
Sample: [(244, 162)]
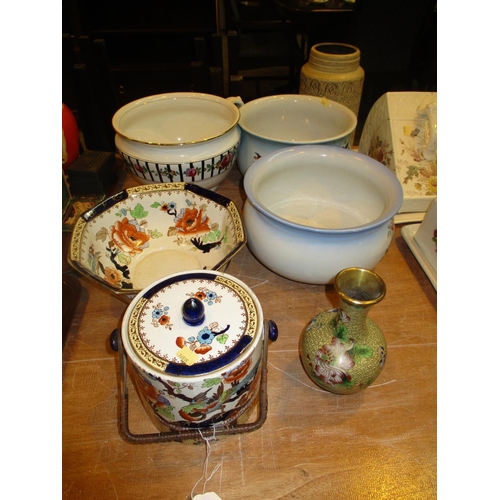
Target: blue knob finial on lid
[(193, 311)]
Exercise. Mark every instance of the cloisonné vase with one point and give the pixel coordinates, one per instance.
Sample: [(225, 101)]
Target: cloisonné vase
[(342, 350)]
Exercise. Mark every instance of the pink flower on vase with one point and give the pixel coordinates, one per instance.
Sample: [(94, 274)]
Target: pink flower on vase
[(343, 316), (332, 362)]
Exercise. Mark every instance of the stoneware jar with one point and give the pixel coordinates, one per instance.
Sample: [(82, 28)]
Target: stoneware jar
[(342, 350), (333, 71), (196, 342), (178, 137)]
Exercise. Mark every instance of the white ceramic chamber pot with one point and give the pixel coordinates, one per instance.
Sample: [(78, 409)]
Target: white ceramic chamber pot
[(196, 341), (274, 122), (312, 211), (178, 137)]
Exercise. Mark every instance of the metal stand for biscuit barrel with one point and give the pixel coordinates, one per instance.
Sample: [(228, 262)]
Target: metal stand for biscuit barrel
[(178, 433)]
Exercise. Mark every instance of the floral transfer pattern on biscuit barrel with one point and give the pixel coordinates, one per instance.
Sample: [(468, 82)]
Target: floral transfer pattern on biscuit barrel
[(130, 235), (202, 372), (211, 404)]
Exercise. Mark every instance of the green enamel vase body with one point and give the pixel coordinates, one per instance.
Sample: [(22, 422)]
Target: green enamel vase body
[(342, 350)]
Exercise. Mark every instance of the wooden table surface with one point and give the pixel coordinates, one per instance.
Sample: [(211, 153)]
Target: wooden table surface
[(377, 444)]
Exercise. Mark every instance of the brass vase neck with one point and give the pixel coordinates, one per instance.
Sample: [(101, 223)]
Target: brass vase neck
[(359, 287)]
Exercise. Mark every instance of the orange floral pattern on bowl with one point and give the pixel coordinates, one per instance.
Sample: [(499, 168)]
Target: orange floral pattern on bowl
[(129, 237), (109, 240)]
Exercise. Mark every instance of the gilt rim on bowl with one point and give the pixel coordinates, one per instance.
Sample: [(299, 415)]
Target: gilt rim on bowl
[(144, 105)]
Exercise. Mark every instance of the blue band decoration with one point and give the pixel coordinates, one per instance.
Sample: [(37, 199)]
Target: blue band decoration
[(210, 366), (169, 281)]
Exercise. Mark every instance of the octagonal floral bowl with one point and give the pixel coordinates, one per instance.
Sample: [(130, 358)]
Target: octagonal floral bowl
[(144, 233)]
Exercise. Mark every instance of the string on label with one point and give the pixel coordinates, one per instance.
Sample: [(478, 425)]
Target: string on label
[(205, 468)]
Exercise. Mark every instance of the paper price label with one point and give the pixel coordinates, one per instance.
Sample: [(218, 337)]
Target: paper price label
[(208, 496), (187, 356)]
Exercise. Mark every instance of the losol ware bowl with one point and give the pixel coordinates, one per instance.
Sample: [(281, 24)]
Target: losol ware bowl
[(197, 342), (312, 211), (144, 233), (274, 122), (178, 137)]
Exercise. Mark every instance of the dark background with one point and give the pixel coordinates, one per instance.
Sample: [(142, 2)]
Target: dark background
[(172, 46)]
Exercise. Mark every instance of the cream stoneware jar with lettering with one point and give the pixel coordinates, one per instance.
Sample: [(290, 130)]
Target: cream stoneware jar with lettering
[(197, 342), (333, 71), (178, 137)]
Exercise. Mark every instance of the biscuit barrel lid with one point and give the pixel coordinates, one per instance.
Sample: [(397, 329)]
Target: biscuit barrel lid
[(193, 323)]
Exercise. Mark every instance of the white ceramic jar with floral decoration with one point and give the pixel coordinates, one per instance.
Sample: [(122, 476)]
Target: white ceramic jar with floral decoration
[(197, 342), (400, 132)]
